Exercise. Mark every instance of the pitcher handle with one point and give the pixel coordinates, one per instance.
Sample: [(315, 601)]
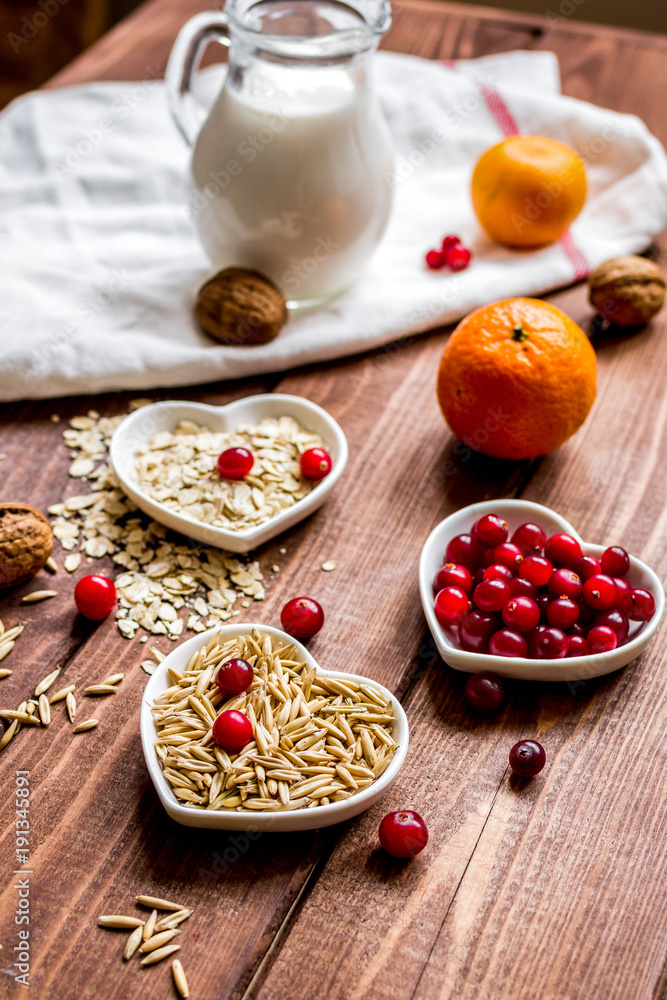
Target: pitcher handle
[(184, 61)]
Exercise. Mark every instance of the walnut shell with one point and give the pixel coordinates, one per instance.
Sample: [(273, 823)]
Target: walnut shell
[(238, 306), (627, 291), (26, 541)]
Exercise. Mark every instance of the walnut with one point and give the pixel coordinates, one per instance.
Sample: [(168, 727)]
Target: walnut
[(26, 541), (627, 291), (238, 306)]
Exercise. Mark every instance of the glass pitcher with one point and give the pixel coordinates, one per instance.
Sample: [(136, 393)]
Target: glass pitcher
[(290, 168)]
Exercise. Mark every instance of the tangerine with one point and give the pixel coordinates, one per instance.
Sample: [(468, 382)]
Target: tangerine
[(527, 190), (517, 378)]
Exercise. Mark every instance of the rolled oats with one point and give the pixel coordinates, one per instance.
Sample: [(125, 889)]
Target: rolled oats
[(179, 470)]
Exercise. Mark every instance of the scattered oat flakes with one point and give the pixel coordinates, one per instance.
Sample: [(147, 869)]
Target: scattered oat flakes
[(275, 568), (81, 467), (55, 419), (328, 566), (72, 562), (160, 573)]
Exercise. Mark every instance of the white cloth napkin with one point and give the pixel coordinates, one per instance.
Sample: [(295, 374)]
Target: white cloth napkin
[(99, 264)]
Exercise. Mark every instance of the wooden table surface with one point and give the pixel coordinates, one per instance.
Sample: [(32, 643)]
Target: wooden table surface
[(552, 891)]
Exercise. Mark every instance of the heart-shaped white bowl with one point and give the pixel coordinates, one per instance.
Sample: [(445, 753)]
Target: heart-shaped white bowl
[(139, 428), (575, 668), (266, 822)]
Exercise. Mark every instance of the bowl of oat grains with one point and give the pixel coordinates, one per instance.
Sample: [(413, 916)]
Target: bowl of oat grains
[(230, 476), (316, 748)]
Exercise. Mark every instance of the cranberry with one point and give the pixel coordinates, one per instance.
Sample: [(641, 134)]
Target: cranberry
[(586, 566), (565, 583), (477, 576), (505, 642), (615, 561), (563, 613), (614, 619), (315, 464), (491, 595), (450, 606), (232, 730), (543, 601), (302, 617), (521, 614), (466, 551), (638, 604), (498, 572), (458, 258), (234, 676), (403, 834), (600, 592), (487, 559), (551, 644), (531, 639), (522, 588), (622, 589), (451, 575), (475, 630), (527, 758), (602, 639), (586, 612), (95, 597), (491, 530), (530, 538), (577, 646), (449, 242), (483, 693), (537, 569), (235, 463), (508, 554), (562, 550), (435, 260), (577, 629)]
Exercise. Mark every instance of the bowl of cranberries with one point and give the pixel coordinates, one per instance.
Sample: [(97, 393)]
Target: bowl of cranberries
[(323, 469), (509, 586)]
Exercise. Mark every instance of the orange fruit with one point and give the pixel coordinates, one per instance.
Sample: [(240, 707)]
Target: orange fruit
[(527, 190), (516, 379)]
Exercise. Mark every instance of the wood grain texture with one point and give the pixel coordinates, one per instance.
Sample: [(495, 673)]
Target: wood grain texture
[(550, 890)]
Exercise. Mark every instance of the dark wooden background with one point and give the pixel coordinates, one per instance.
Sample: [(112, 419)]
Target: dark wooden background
[(549, 890)]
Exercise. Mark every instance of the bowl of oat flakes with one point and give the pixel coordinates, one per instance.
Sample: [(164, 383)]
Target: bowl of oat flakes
[(165, 457), (326, 745)]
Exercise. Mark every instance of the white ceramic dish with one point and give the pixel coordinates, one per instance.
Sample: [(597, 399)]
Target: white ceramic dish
[(273, 822), (575, 668), (139, 428)]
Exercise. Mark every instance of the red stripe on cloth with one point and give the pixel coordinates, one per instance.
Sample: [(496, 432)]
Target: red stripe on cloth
[(508, 126), (503, 116), (575, 256), (449, 63)]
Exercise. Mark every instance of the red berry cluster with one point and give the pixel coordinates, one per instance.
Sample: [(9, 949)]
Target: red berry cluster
[(452, 254), (534, 596)]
